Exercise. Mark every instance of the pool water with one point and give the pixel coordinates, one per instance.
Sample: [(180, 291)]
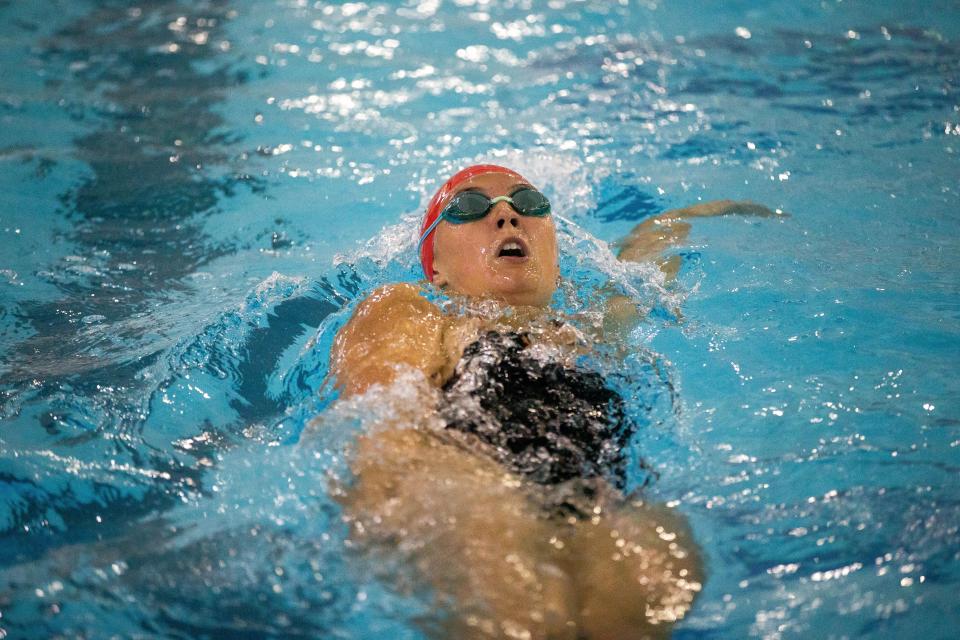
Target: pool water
[(195, 194)]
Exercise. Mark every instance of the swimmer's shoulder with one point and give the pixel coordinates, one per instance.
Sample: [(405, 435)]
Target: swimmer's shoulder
[(393, 326), (400, 293), (392, 303)]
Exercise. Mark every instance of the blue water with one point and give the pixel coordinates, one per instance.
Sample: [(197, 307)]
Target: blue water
[(193, 195)]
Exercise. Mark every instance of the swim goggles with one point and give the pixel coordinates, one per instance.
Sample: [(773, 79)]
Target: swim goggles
[(468, 206)]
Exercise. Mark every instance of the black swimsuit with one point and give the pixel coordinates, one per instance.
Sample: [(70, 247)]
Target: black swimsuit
[(546, 421)]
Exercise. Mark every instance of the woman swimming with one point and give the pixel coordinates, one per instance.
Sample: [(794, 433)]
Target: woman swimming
[(502, 481)]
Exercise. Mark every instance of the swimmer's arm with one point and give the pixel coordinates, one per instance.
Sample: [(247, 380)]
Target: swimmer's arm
[(394, 327), (653, 236), (620, 316), (649, 239)]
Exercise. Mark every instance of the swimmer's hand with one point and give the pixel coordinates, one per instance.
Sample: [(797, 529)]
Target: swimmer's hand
[(653, 236)]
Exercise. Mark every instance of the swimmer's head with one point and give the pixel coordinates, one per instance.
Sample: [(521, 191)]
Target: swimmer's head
[(508, 253)]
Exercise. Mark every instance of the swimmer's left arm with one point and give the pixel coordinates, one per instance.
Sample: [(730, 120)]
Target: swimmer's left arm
[(649, 239)]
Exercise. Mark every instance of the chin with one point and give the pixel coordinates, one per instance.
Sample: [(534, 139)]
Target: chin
[(521, 288), (528, 300), (524, 295)]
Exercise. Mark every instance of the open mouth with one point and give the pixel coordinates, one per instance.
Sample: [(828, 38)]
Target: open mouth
[(512, 249)]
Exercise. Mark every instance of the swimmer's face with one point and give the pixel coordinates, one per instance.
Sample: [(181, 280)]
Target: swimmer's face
[(477, 258)]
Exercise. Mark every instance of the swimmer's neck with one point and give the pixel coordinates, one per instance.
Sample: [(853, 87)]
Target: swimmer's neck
[(500, 311)]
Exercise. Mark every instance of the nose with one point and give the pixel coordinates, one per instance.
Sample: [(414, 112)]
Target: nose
[(504, 214)]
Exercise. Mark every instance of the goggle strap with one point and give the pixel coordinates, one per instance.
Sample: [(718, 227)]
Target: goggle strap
[(427, 232)]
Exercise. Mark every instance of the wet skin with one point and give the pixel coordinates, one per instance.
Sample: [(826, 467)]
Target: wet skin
[(488, 542)]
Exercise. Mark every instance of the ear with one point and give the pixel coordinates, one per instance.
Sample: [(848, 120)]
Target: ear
[(440, 278)]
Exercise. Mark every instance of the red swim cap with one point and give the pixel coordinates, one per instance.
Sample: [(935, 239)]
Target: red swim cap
[(439, 198)]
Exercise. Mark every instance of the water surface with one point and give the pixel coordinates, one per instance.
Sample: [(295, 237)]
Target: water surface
[(194, 195)]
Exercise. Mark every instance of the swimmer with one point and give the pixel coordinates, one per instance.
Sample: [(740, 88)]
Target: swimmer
[(502, 487)]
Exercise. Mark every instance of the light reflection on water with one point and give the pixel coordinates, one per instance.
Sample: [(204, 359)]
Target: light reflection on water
[(163, 160)]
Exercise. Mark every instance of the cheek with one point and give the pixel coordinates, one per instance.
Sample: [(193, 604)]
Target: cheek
[(461, 253), (465, 252), (548, 245)]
